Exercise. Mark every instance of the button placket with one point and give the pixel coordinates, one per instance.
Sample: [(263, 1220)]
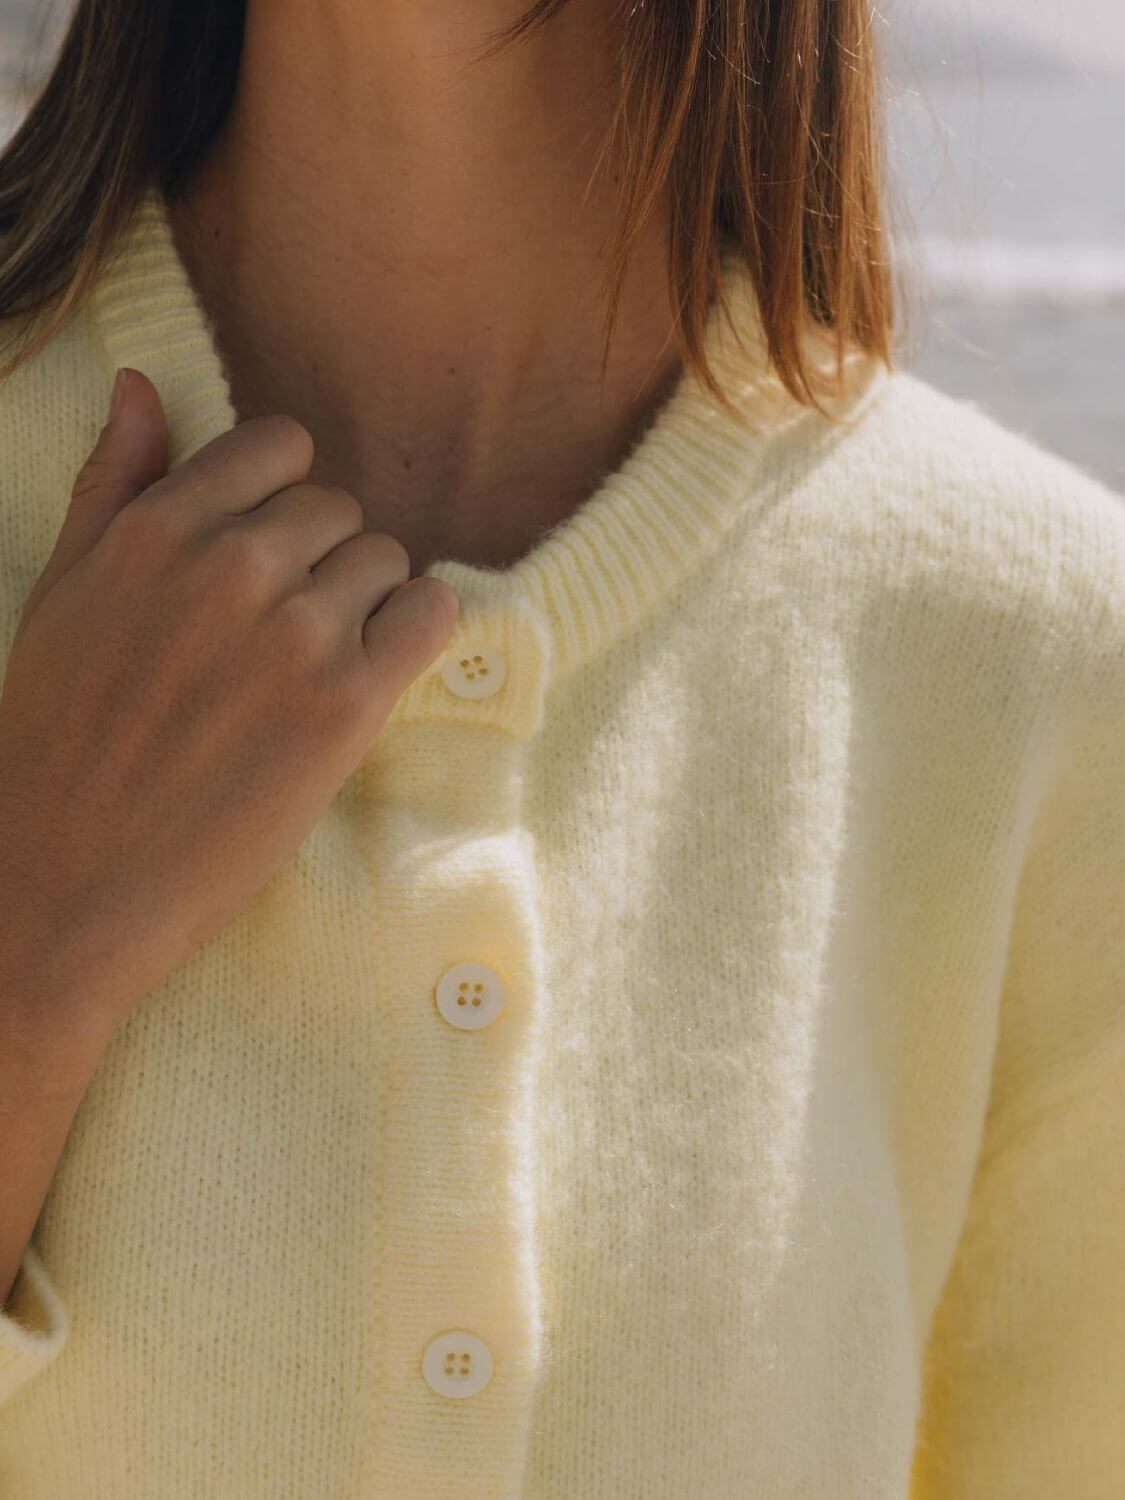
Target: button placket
[(469, 996), (494, 671), (459, 1295), (458, 1363)]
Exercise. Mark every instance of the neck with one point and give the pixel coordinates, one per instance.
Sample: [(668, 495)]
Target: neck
[(405, 251)]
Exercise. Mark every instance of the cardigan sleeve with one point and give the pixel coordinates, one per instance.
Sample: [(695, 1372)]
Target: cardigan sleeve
[(1024, 1366), (34, 1325)]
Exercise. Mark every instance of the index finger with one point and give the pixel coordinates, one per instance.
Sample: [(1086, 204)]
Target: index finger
[(240, 468)]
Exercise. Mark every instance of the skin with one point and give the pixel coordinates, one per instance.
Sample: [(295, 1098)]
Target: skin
[(402, 276), (402, 250)]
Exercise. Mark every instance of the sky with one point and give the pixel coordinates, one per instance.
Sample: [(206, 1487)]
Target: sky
[(1088, 31)]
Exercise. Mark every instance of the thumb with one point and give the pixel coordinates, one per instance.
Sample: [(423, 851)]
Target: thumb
[(131, 453)]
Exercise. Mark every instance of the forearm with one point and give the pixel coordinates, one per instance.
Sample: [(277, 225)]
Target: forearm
[(50, 1048)]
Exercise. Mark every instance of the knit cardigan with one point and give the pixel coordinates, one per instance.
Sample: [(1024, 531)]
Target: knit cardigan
[(687, 1057)]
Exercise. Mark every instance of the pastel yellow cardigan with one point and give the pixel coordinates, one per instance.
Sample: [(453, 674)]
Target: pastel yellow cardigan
[(687, 1058)]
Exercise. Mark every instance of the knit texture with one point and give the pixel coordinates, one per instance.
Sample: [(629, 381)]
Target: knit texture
[(793, 1164)]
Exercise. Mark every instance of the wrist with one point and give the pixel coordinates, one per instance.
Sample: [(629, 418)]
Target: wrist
[(56, 1017)]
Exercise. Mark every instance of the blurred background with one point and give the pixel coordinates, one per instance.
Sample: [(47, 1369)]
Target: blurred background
[(1006, 133)]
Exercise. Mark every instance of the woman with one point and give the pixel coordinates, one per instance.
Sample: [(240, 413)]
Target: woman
[(561, 873)]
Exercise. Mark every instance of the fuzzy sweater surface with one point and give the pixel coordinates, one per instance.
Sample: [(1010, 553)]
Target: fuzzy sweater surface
[(688, 1056)]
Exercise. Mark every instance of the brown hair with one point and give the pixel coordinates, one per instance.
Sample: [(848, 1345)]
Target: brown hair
[(762, 117)]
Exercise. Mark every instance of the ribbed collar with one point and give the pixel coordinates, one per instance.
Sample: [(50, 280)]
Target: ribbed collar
[(594, 576)]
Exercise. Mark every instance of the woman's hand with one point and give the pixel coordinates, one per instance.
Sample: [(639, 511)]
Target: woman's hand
[(202, 664)]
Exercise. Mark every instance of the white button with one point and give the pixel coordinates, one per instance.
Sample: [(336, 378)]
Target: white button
[(475, 672), (470, 995), (457, 1363)]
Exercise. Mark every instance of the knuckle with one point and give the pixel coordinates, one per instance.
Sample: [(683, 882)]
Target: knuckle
[(146, 529), (243, 555), (420, 632), (306, 627), (284, 428), (345, 502), (392, 552)]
